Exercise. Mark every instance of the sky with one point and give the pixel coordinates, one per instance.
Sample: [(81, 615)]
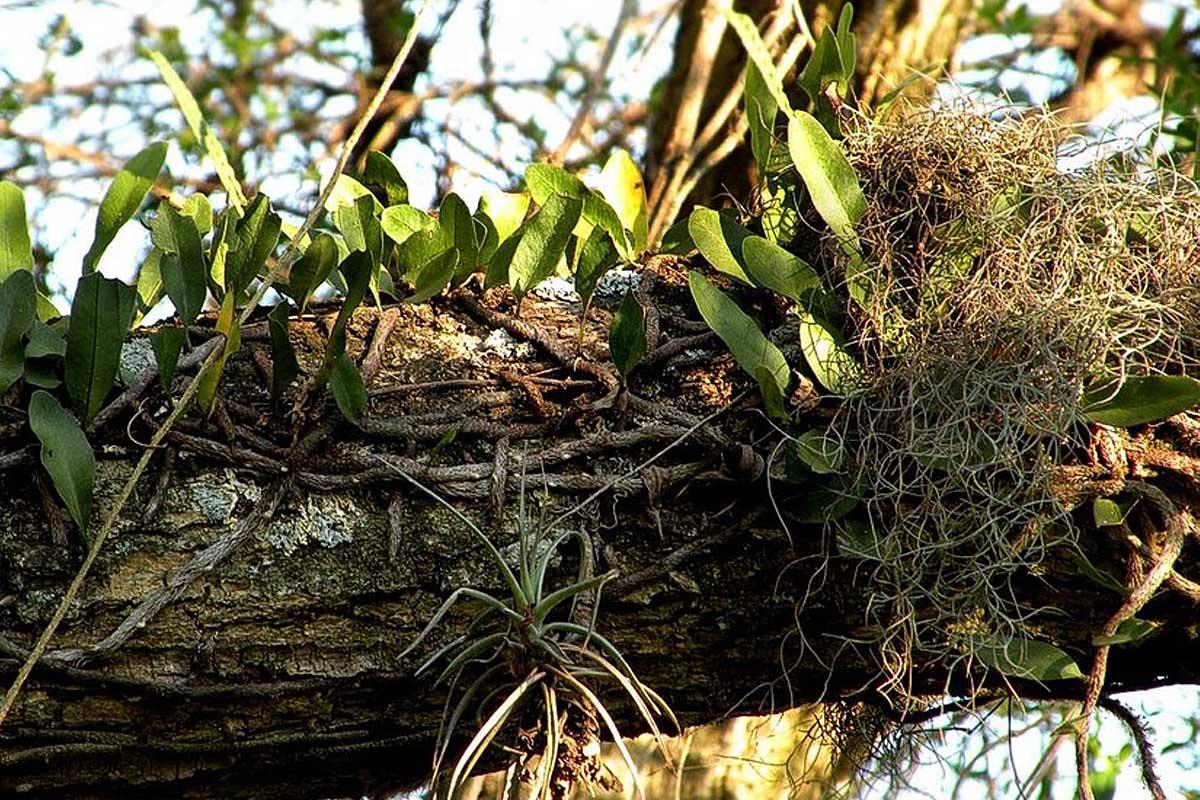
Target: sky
[(531, 30)]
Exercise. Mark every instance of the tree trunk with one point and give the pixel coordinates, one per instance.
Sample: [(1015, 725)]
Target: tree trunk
[(894, 40), (240, 635)]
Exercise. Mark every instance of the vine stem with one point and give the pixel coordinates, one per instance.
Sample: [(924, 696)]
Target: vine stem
[(289, 255)]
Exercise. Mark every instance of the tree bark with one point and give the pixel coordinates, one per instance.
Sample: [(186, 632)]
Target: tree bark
[(241, 634)]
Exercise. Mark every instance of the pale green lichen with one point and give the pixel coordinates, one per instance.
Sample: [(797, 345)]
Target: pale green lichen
[(326, 521)]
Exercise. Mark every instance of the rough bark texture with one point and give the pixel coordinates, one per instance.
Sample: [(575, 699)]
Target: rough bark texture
[(894, 38), (221, 650)]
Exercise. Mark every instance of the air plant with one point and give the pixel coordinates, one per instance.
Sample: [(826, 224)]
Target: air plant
[(517, 644)]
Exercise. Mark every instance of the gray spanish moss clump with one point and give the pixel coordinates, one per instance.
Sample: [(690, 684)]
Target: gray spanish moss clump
[(1001, 289)]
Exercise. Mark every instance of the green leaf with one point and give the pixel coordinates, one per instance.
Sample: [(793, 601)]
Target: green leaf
[(383, 179), (827, 173), (597, 257), (622, 186), (819, 452), (401, 222), (182, 268), (773, 398), (284, 367), (200, 210), (346, 192), (761, 110), (498, 266), (200, 129), (832, 365), (1141, 399), (16, 252), (752, 350), (627, 335), (360, 226), (149, 281), (542, 245), (257, 235), (433, 277), (46, 310), (1106, 513), (546, 181), (356, 271), (677, 241), (771, 267), (719, 239), (227, 323), (505, 209), (18, 310), (455, 218), (100, 315), (66, 455), (43, 341), (167, 344), (313, 269), (123, 198), (348, 390), (1027, 659), (760, 56), (487, 235), (1130, 630)]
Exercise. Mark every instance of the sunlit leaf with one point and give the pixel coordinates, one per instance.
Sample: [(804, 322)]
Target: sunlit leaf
[(123, 198), (1106, 513), (15, 249), (227, 323), (542, 245), (505, 209), (201, 130), (826, 355), (200, 210), (65, 454), (719, 239), (827, 173), (401, 222), (622, 186), (760, 56)]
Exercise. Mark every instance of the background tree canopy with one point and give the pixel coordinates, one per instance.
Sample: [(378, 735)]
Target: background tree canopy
[(889, 373)]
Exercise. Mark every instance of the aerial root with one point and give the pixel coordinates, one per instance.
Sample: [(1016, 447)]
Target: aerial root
[(1180, 525)]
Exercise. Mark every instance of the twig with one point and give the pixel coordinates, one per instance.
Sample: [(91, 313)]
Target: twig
[(595, 84)]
